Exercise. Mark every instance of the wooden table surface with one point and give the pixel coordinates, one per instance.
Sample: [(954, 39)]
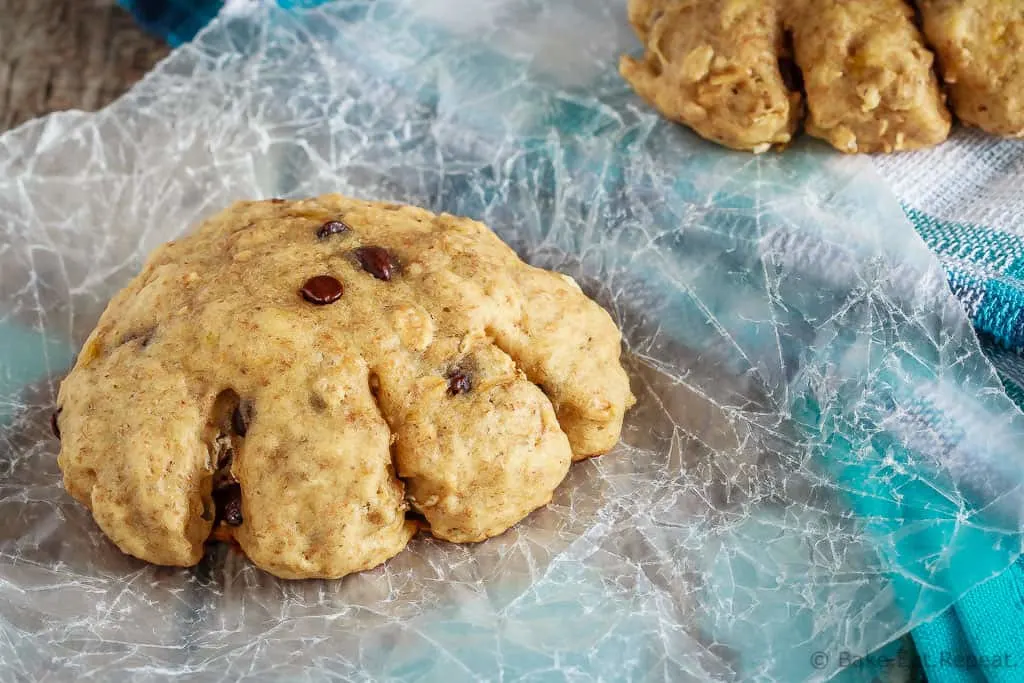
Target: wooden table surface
[(68, 54)]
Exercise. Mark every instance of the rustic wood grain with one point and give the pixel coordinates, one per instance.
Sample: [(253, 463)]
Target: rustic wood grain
[(68, 54)]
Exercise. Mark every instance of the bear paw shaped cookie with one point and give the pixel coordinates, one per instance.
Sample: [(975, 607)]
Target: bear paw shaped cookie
[(860, 74), (298, 376)]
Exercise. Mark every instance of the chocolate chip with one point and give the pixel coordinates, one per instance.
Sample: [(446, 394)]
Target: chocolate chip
[(377, 261), (241, 417), (459, 382), (331, 228), (53, 423), (322, 289), (233, 512), (238, 422), (229, 504)]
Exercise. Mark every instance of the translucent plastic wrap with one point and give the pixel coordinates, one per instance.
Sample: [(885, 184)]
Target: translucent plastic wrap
[(820, 458)]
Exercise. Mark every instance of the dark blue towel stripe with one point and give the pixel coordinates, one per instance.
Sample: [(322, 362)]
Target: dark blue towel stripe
[(176, 21)]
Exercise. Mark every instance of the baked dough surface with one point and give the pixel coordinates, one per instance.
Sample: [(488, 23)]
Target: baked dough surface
[(299, 374)]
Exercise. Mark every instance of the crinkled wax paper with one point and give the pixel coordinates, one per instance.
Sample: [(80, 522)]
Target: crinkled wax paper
[(819, 460)]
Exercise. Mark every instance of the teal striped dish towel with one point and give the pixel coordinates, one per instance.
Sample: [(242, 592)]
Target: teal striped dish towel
[(966, 199), (176, 21)]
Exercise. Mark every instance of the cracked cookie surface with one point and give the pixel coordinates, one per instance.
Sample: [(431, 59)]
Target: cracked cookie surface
[(296, 376)]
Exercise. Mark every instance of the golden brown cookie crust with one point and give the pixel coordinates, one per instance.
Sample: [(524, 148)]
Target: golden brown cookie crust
[(867, 75), (714, 66), (980, 46), (726, 69), (340, 360)]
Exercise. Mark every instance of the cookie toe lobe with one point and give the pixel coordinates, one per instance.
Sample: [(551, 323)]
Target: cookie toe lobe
[(134, 453), (714, 66), (570, 347), (563, 341), (980, 49), (319, 498), (868, 76), (477, 460)]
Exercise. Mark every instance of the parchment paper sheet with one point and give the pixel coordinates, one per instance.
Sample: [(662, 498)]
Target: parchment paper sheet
[(820, 459)]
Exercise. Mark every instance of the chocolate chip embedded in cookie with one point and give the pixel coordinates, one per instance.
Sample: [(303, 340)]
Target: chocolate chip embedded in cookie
[(321, 290), (332, 228), (320, 376), (377, 261), (459, 382)]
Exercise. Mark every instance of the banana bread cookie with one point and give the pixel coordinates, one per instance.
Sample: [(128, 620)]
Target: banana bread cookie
[(297, 375)]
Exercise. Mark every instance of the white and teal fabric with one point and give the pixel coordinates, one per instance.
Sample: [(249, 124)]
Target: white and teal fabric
[(966, 200)]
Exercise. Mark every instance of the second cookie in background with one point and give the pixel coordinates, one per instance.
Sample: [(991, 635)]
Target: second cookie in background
[(743, 73)]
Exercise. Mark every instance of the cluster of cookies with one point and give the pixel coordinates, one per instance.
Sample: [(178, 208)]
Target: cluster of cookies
[(740, 72), (317, 380)]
